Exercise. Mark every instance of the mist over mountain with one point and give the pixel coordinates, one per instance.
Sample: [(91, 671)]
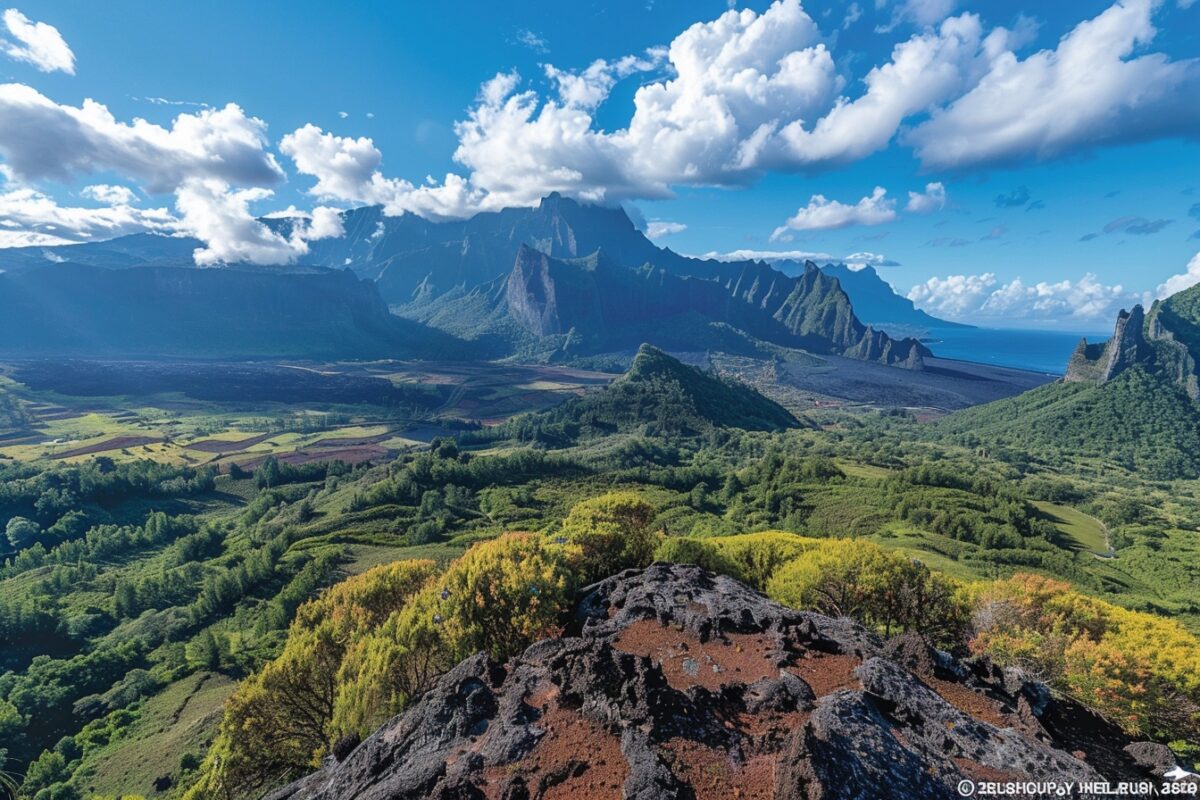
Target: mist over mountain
[(80, 310)]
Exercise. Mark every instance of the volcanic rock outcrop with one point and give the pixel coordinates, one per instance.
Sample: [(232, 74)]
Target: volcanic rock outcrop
[(674, 683)]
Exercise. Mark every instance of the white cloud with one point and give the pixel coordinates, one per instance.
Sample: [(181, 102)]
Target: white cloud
[(855, 261), (921, 12), (1177, 283), (590, 88), (978, 297), (1087, 91), (824, 214), (954, 295), (930, 68), (853, 15), (932, 199), (220, 217), (325, 223), (770, 256), (531, 40), (658, 228), (109, 194), (343, 114), (29, 217), (867, 259), (348, 169), (41, 139), (749, 93), (36, 43)]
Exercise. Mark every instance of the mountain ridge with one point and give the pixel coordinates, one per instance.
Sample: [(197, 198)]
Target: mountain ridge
[(571, 307)]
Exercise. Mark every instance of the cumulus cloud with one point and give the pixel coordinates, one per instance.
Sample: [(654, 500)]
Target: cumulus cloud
[(348, 169), (220, 217), (741, 95), (658, 228), (749, 93), (954, 295), (110, 194), (1185, 280), (29, 217), (931, 200), (41, 139), (1090, 90), (824, 214), (980, 297), (36, 43)]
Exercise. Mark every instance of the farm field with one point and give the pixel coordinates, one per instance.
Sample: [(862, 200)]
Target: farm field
[(298, 413)]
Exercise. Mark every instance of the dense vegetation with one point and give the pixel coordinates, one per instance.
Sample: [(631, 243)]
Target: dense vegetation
[(657, 396), (1144, 422), (132, 591)]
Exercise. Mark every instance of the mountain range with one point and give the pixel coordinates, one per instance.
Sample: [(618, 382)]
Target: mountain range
[(557, 281)]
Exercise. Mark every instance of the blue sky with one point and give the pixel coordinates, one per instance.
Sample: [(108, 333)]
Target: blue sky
[(1066, 171)]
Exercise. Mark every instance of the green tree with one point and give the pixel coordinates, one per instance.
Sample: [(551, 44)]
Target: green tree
[(883, 589), (21, 532), (610, 533)]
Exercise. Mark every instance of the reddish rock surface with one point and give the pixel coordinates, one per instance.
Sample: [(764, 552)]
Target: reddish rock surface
[(674, 683)]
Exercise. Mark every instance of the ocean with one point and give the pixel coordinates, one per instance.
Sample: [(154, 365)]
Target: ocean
[(1039, 351)]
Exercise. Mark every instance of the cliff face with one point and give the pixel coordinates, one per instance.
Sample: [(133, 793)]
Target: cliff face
[(1165, 342), (604, 304), (674, 683)]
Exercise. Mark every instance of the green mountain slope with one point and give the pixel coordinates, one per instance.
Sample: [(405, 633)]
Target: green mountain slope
[(658, 395), (1132, 400), (1140, 420)]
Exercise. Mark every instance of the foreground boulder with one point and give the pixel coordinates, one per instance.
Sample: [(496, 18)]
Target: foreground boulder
[(675, 683)]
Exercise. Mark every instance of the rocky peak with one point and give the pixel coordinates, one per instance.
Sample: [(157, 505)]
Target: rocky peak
[(1128, 346), (675, 683)]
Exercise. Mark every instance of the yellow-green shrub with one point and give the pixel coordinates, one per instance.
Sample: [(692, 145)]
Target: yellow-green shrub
[(1141, 670), (279, 722), (701, 552), (499, 597), (758, 555), (610, 533), (883, 589)]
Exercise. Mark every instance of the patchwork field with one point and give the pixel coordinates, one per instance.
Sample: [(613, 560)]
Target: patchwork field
[(178, 413)]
